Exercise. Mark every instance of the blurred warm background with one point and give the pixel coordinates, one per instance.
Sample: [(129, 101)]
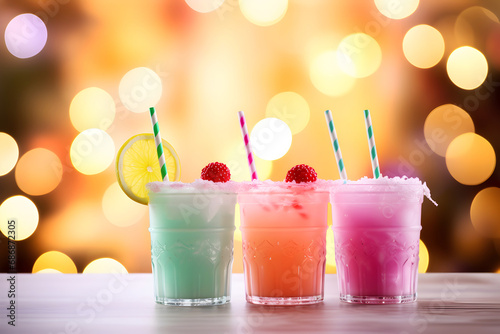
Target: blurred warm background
[(429, 72)]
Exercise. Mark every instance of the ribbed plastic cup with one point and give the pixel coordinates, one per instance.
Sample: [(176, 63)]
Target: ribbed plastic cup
[(376, 230), (192, 246), (284, 244)]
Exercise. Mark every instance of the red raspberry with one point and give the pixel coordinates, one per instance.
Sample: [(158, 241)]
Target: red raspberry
[(301, 173), (216, 172)]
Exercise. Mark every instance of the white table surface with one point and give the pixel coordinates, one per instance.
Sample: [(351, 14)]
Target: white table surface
[(102, 303)]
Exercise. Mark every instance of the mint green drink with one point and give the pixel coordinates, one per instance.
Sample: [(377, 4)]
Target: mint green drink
[(192, 228)]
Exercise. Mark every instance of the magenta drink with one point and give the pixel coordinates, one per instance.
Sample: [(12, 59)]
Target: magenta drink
[(376, 226)]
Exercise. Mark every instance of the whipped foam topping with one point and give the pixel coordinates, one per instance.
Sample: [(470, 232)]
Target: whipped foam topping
[(269, 186), (198, 185), (385, 180)]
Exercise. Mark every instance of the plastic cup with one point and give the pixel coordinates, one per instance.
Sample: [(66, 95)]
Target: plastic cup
[(376, 227), (283, 230), (192, 229)]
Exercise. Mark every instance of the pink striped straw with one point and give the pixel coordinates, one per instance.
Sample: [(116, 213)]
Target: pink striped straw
[(246, 139)]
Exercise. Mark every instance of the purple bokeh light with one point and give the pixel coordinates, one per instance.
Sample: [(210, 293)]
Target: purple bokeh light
[(25, 36)]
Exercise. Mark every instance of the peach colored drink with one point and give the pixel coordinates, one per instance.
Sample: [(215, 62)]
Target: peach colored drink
[(284, 242)]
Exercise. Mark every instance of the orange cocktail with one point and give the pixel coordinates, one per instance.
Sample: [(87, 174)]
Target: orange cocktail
[(283, 229)]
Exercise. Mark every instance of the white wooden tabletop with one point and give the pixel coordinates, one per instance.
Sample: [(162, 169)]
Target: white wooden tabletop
[(106, 303)]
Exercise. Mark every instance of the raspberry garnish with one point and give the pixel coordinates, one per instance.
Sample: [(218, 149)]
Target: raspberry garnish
[(301, 173), (216, 172)]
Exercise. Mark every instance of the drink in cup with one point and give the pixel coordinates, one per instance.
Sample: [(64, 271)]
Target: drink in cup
[(376, 226), (191, 225), (283, 228), (192, 228)]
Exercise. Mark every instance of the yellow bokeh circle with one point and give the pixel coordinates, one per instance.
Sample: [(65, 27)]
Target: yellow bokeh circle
[(327, 76), (467, 67), (485, 212), (263, 12), (92, 108), (92, 151), (55, 260), (105, 265), (38, 172), (423, 254), (119, 209), (18, 217), (470, 159), (291, 108), (397, 9), (330, 250), (445, 123), (359, 55), (423, 46), (9, 152)]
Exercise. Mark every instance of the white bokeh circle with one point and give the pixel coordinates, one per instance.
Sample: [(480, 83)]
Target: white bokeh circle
[(359, 55), (467, 67), (271, 138), (397, 9), (105, 265), (263, 12), (9, 151), (204, 6), (423, 46), (92, 151), (140, 89), (92, 107), (18, 217)]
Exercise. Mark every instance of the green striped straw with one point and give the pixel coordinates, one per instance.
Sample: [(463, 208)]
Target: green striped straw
[(371, 145), (335, 144), (158, 143)]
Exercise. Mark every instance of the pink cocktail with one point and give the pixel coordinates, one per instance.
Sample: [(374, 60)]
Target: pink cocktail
[(283, 229), (376, 226)]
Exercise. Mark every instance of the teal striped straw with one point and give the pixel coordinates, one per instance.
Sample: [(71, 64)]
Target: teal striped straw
[(371, 145), (335, 144), (159, 145)]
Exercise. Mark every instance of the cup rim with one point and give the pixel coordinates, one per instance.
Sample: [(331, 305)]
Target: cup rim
[(377, 188)]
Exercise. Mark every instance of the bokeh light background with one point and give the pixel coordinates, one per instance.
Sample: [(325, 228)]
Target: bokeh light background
[(429, 71)]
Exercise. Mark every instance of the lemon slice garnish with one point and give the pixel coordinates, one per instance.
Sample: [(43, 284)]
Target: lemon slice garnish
[(137, 164)]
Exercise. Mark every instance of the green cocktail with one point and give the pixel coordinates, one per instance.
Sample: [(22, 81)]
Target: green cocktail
[(192, 228)]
